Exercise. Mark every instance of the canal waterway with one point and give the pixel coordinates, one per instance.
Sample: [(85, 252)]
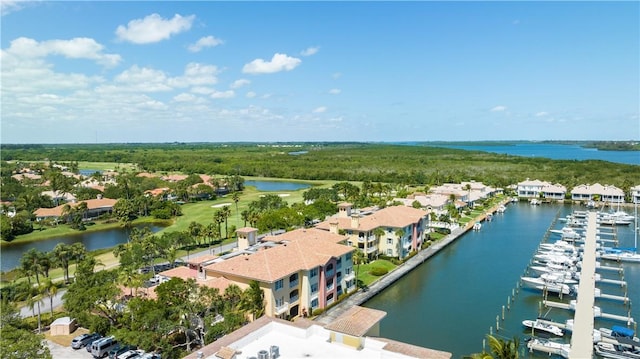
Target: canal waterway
[(10, 254), (452, 300)]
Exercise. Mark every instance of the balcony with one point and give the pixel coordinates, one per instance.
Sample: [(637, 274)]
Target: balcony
[(371, 250), (294, 298), (293, 283), (361, 239), (406, 245), (329, 273), (282, 308), (350, 276), (371, 238)]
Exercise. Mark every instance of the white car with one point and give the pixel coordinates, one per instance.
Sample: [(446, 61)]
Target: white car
[(130, 354)]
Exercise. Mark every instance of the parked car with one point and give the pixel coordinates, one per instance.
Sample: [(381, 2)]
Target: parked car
[(100, 348), (90, 341), (83, 339), (131, 354), (119, 349), (151, 356)]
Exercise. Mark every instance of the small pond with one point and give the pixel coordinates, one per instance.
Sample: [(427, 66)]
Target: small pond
[(276, 186), (11, 253)]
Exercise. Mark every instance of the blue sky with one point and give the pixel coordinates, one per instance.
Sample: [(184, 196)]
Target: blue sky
[(86, 72)]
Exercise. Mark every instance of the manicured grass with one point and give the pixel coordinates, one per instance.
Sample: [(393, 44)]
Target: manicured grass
[(363, 271), (104, 166)]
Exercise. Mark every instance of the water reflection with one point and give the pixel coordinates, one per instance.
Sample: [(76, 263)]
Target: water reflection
[(11, 253)]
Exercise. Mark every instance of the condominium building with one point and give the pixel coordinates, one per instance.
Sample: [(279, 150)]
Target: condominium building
[(306, 270), (535, 188), (392, 231), (597, 192)]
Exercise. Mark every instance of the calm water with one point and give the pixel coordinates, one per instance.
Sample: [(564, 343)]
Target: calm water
[(10, 254), (556, 152), (276, 186), (451, 301)]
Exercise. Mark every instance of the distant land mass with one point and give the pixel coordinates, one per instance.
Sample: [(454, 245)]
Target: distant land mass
[(631, 145)]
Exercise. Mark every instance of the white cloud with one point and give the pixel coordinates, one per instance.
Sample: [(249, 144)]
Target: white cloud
[(279, 62), (239, 83), (202, 90), (142, 79), (310, 51), (196, 74), (499, 109), (251, 94), (320, 109), (542, 114), (9, 6), (223, 94), (335, 91), (153, 28), (208, 41), (77, 48)]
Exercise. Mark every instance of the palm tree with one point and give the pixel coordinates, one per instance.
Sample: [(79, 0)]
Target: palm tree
[(51, 289), (34, 300), (500, 349), (30, 263), (358, 258), (236, 199), (62, 254), (226, 212)]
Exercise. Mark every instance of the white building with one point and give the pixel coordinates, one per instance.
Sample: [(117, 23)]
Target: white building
[(597, 192)]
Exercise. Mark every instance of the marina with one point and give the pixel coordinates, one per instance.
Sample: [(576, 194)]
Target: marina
[(489, 285)]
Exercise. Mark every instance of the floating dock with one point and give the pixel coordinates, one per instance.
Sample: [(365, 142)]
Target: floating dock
[(582, 337)]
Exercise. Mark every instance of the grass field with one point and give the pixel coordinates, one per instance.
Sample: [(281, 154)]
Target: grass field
[(364, 270)]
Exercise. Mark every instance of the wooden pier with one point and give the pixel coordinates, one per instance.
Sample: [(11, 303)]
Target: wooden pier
[(582, 336)]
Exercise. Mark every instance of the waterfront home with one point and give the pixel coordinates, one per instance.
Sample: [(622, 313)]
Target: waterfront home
[(352, 335), (59, 196), (597, 192), (392, 231), (429, 202), (635, 194), (468, 192), (307, 270), (536, 188), (95, 208)]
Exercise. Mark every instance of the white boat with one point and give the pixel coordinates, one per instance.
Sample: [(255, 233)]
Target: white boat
[(567, 232), (549, 346), (477, 226), (548, 285), (542, 269), (560, 277), (621, 256), (534, 202), (556, 258), (501, 209), (543, 327), (616, 351)]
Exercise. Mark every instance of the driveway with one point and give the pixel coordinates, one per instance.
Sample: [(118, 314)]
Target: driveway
[(61, 352)]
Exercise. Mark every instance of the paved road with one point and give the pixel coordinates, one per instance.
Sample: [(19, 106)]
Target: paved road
[(26, 311)]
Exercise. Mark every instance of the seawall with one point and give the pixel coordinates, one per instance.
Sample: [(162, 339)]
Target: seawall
[(361, 296)]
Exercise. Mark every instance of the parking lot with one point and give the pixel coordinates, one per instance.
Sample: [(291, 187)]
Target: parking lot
[(66, 352)]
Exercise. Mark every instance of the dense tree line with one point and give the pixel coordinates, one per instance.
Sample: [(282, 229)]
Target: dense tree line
[(340, 161)]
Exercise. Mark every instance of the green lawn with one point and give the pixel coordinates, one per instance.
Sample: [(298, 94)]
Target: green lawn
[(363, 271)]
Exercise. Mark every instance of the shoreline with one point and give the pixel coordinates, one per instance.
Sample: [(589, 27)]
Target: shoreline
[(360, 296)]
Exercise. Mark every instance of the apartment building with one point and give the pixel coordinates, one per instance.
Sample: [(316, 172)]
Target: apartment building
[(392, 231), (306, 270)]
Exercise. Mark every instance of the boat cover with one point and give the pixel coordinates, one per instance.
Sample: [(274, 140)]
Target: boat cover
[(617, 330)]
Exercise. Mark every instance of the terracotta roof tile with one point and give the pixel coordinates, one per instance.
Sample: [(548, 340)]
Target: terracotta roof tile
[(304, 251), (356, 321)]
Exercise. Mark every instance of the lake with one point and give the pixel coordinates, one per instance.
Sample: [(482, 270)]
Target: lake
[(451, 301), (271, 186), (11, 253), (552, 151)]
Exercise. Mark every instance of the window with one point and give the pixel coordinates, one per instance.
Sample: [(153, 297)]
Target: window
[(293, 280), (389, 241), (314, 303), (347, 271), (389, 252), (279, 302), (314, 288), (329, 267), (279, 284), (339, 263), (329, 283), (349, 256), (313, 272)]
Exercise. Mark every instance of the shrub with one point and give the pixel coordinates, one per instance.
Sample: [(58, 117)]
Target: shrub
[(378, 271), (317, 311)]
